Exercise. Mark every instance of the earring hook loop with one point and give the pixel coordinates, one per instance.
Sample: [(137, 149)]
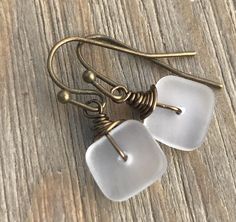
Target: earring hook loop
[(64, 96)]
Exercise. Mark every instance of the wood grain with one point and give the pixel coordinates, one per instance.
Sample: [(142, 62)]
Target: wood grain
[(43, 175)]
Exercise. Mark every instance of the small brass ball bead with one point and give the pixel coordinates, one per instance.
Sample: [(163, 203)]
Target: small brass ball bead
[(89, 76), (63, 96)]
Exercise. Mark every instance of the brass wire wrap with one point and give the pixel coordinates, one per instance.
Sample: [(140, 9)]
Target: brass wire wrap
[(103, 125), (145, 102)]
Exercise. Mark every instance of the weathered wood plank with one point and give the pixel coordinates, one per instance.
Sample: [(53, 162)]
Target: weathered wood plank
[(43, 175)]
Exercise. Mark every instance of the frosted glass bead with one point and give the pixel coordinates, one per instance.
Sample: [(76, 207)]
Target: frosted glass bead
[(119, 179), (187, 130)]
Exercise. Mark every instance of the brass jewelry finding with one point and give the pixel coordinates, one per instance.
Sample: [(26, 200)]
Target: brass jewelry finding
[(90, 76), (64, 95), (172, 108), (111, 43), (102, 124), (145, 102)]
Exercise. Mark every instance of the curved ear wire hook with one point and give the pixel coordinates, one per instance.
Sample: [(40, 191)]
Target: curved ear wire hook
[(107, 41), (111, 45), (145, 102), (64, 96)]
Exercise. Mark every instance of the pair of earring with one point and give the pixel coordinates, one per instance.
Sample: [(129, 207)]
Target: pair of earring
[(126, 158)]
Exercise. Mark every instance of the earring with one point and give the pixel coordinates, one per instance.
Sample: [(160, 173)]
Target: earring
[(125, 158), (183, 124)]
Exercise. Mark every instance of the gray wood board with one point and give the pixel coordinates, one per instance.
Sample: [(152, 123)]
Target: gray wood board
[(43, 174)]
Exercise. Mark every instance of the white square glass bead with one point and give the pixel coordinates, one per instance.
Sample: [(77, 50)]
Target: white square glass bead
[(119, 179), (187, 130)]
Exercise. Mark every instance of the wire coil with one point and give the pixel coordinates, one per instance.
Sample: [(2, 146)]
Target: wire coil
[(145, 102), (102, 124)]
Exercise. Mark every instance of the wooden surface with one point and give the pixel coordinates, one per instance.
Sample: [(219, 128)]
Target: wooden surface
[(43, 175)]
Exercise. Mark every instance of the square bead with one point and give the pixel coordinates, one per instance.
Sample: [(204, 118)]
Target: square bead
[(119, 179), (187, 130)]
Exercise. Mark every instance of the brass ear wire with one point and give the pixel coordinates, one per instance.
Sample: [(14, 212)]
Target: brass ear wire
[(98, 43), (102, 124), (64, 96), (145, 102), (107, 41)]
